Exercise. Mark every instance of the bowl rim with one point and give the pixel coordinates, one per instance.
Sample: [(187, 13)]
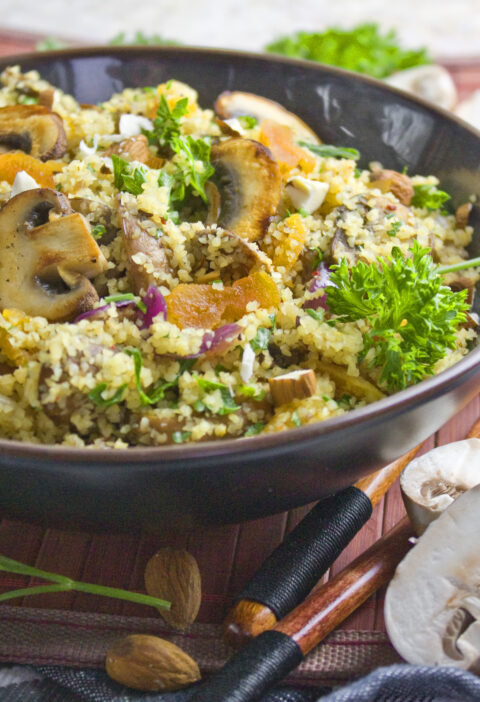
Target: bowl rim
[(276, 442)]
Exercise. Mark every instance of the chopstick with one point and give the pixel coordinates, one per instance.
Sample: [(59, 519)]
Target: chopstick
[(292, 570), (276, 652)]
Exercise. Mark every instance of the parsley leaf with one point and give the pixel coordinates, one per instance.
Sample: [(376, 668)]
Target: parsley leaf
[(327, 150), (125, 177), (362, 49), (261, 339), (157, 393), (180, 436), (229, 404), (96, 395), (166, 125), (413, 316), (255, 429), (247, 121), (394, 228), (195, 170), (98, 231), (428, 196), (318, 315)]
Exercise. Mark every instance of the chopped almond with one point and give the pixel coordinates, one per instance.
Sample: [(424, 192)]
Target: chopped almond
[(296, 385)]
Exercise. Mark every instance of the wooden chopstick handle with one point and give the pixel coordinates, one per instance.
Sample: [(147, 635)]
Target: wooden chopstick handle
[(322, 611), (292, 570), (273, 654)]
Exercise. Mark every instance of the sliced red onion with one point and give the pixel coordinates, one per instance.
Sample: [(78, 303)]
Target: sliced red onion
[(89, 314), (155, 304), (321, 278)]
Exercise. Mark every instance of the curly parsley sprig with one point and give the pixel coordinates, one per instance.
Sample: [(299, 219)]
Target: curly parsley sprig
[(412, 315)]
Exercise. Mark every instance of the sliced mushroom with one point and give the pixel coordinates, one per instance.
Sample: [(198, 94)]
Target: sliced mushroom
[(391, 181), (431, 482), (432, 605), (339, 248), (34, 129), (462, 215), (249, 182), (223, 253), (433, 83), (147, 260), (135, 148), (239, 104), (97, 213), (296, 385), (46, 261), (350, 384)]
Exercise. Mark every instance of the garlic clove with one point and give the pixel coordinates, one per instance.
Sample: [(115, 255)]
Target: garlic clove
[(306, 194), (430, 483), (433, 83), (432, 605)]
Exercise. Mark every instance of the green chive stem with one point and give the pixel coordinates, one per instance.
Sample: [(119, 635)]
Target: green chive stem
[(471, 263)]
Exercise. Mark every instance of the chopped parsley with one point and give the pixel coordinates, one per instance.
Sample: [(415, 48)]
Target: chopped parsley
[(126, 297), (179, 437), (126, 177), (318, 315), (362, 49), (229, 404), (196, 168), (27, 99), (166, 125), (261, 340), (98, 231), (413, 316), (318, 257), (429, 197), (96, 395), (257, 394), (247, 121), (329, 151), (296, 419), (394, 228), (255, 429), (157, 393)]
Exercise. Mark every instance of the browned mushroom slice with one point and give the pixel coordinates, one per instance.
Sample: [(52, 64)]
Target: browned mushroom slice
[(339, 249), (240, 104), (462, 215), (135, 149), (45, 263), (249, 182), (97, 213), (230, 259), (147, 260), (350, 384), (391, 181), (34, 129)]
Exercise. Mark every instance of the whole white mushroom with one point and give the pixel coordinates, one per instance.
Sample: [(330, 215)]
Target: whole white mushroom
[(432, 605)]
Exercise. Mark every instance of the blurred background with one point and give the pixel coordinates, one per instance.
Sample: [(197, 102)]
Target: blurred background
[(445, 27), (399, 35)]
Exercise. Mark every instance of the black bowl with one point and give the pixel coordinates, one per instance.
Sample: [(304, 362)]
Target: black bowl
[(234, 480)]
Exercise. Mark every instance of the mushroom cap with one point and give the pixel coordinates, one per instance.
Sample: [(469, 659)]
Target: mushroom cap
[(431, 482), (432, 605), (431, 82), (230, 104), (249, 182), (34, 129), (47, 256)]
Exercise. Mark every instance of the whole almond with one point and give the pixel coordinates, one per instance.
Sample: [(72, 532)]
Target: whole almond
[(173, 575), (146, 662)]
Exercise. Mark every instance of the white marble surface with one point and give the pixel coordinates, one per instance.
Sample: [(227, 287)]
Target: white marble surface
[(447, 27)]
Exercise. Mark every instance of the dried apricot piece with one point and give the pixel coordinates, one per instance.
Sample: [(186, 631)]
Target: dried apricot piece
[(289, 249), (279, 139), (42, 172), (202, 306)]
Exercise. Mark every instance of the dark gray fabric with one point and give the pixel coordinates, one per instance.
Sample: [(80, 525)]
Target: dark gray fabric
[(397, 683)]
